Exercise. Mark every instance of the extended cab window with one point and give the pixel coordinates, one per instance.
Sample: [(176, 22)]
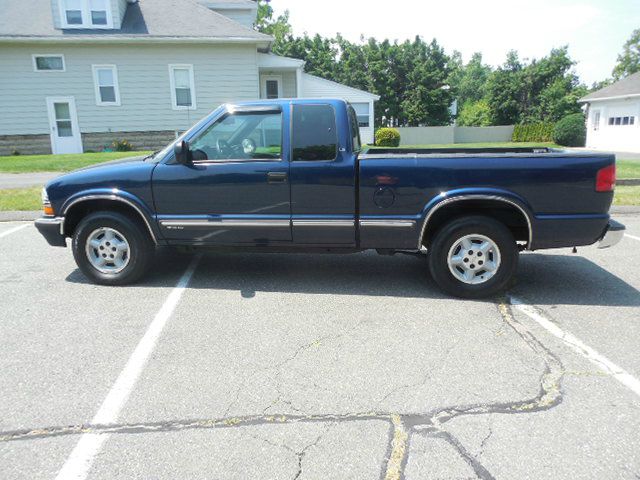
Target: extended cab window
[(241, 136), (314, 133)]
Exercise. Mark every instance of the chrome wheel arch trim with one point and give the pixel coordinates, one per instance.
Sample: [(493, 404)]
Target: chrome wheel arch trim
[(115, 198), (462, 198)]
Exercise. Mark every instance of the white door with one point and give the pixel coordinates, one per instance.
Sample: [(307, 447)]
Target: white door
[(65, 133)]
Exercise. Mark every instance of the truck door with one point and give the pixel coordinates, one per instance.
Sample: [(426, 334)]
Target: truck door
[(322, 174), (236, 191)]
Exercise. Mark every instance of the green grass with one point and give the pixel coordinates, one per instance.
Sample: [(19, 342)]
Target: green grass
[(627, 195), (21, 199), (58, 163), (628, 169), (480, 145)]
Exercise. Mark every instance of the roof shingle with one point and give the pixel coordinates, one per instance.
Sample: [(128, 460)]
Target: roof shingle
[(627, 86)]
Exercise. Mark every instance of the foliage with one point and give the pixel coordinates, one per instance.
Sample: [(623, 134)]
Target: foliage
[(387, 137), (58, 163), (571, 131), (121, 146), (20, 199), (475, 114), (629, 59), (533, 132), (276, 27)]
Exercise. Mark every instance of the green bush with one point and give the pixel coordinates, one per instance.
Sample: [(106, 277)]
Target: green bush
[(571, 131), (387, 137), (533, 132), (121, 146), (475, 114)]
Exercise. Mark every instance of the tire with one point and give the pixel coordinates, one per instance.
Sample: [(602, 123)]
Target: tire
[(126, 247), (467, 274)]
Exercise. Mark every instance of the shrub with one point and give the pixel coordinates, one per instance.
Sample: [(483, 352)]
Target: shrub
[(121, 146), (533, 132), (15, 152), (387, 137), (571, 131), (475, 114)]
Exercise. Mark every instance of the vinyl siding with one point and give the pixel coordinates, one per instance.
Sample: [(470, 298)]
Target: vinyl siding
[(222, 74), (55, 13)]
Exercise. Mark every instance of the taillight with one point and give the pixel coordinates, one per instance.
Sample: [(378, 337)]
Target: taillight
[(606, 179)]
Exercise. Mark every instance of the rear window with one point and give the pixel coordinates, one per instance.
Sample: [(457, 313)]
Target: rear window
[(314, 133)]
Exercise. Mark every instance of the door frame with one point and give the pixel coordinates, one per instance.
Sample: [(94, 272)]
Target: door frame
[(263, 87), (75, 127)]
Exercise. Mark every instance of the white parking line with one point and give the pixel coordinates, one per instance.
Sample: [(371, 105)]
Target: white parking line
[(606, 365), (631, 236), (79, 462), (14, 229)]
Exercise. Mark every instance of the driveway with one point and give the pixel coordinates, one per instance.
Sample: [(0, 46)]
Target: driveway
[(299, 366), (25, 180)]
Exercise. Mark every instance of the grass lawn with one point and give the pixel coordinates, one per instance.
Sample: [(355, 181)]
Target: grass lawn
[(628, 169), (478, 145), (58, 163), (627, 195), (20, 199)]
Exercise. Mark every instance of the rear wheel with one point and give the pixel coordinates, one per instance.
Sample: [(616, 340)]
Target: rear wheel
[(473, 257), (111, 249)]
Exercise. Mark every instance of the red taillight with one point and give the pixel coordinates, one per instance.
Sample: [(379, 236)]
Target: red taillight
[(606, 179)]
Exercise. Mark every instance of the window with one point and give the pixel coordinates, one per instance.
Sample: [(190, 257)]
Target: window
[(241, 136), (362, 110), (272, 87), (105, 79), (355, 130), (85, 14), (48, 63), (183, 96), (314, 133), (622, 121), (596, 120)]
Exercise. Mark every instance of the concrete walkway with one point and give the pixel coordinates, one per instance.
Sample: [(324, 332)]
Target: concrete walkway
[(25, 180)]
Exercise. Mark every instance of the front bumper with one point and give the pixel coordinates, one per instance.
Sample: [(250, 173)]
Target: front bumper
[(51, 229), (612, 235)]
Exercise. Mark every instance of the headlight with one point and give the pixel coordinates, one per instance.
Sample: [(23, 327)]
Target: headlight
[(46, 204)]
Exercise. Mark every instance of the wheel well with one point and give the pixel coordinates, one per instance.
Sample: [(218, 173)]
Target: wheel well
[(511, 216), (77, 212)]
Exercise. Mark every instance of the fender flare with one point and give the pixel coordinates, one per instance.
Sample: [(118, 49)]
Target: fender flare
[(448, 198), (115, 196)]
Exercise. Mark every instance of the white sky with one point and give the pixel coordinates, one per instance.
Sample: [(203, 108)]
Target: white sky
[(595, 30)]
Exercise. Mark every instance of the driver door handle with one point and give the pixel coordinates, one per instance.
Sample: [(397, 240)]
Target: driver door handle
[(276, 177)]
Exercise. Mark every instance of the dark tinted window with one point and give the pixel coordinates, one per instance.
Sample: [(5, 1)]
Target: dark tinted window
[(355, 130), (314, 133)]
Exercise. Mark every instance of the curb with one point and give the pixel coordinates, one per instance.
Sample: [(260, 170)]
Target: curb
[(13, 216), (628, 181), (625, 210)]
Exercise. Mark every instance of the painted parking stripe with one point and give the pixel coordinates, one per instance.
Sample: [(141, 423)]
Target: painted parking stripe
[(606, 365), (79, 462), (14, 229), (632, 236)]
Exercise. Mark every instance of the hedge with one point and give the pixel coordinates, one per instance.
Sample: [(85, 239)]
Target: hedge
[(571, 131), (533, 132), (387, 137)]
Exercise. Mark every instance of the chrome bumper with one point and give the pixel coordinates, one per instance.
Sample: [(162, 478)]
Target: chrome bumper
[(612, 235), (52, 229)]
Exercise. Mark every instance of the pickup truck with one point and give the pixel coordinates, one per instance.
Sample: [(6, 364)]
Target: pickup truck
[(292, 176)]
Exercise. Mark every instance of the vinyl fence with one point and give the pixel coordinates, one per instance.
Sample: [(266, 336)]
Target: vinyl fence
[(453, 134)]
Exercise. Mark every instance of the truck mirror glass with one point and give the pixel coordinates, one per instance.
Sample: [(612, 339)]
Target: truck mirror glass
[(182, 152)]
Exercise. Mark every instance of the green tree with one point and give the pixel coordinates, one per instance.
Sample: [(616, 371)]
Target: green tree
[(629, 59), (471, 86), (475, 114), (278, 28)]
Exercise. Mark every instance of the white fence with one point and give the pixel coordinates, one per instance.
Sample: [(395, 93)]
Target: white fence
[(453, 134)]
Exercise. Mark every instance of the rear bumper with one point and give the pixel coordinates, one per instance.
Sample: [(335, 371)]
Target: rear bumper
[(612, 235), (51, 229)]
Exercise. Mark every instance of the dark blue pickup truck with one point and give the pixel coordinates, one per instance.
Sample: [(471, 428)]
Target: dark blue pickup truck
[(291, 176)]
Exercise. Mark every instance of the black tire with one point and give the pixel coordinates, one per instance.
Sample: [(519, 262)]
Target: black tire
[(141, 248), (451, 233)]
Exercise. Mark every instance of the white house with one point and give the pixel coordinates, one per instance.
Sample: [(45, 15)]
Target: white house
[(76, 75), (613, 120)]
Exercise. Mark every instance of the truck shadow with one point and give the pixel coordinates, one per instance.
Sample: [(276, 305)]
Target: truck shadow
[(542, 279)]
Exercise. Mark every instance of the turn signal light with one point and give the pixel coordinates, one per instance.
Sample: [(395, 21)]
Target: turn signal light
[(48, 210), (606, 179)]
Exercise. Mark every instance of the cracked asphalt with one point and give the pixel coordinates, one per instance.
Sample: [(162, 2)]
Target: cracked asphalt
[(321, 367)]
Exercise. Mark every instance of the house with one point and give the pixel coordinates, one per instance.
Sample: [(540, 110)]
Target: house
[(75, 75), (613, 120)]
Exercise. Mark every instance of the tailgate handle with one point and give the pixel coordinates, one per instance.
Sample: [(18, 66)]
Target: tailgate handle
[(276, 177)]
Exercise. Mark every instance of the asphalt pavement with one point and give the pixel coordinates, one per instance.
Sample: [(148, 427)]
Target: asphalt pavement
[(318, 367)]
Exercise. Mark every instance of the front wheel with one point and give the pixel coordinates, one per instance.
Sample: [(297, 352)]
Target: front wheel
[(473, 257), (111, 249)]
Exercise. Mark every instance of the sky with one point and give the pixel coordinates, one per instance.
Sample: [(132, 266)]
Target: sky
[(594, 30)]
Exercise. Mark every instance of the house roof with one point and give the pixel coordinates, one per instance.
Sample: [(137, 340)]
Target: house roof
[(231, 4), (335, 88), (627, 87), (269, 60), (146, 19)]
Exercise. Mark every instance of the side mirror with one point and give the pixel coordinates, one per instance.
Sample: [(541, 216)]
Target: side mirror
[(182, 152)]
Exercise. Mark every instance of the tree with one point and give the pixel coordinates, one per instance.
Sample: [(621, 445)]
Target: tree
[(471, 85), (629, 59), (475, 114), (278, 27)]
